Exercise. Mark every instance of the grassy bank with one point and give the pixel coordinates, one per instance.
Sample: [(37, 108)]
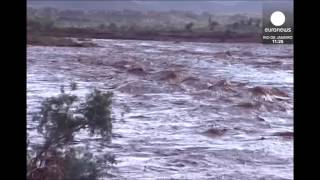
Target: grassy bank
[(42, 40), (60, 34)]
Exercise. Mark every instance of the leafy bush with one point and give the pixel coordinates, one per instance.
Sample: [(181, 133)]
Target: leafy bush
[(60, 118)]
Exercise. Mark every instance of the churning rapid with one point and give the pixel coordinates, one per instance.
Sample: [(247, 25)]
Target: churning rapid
[(181, 110)]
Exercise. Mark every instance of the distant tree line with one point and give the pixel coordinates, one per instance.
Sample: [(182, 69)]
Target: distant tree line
[(128, 21)]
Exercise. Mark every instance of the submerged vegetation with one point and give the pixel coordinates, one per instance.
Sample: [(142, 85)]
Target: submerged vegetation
[(61, 118), (152, 25)]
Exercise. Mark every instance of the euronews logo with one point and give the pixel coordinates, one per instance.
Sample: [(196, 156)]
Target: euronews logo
[(277, 18), (277, 25)]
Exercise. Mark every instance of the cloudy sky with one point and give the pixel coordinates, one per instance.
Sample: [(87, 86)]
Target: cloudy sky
[(197, 6)]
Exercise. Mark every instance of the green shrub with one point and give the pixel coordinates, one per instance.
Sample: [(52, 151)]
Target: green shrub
[(60, 118)]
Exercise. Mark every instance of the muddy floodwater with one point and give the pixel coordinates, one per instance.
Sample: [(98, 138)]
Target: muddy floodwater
[(180, 110)]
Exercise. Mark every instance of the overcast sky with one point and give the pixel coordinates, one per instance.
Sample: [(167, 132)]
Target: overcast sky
[(197, 6)]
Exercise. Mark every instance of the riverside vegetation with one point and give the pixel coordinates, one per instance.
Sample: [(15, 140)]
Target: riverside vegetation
[(60, 119), (127, 24)]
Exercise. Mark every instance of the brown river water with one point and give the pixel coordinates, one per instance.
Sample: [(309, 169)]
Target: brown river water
[(180, 110)]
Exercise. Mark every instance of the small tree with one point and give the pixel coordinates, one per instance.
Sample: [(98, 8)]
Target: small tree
[(213, 25), (33, 25), (102, 27), (250, 22), (235, 25), (60, 118), (112, 27), (258, 23), (189, 26)]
